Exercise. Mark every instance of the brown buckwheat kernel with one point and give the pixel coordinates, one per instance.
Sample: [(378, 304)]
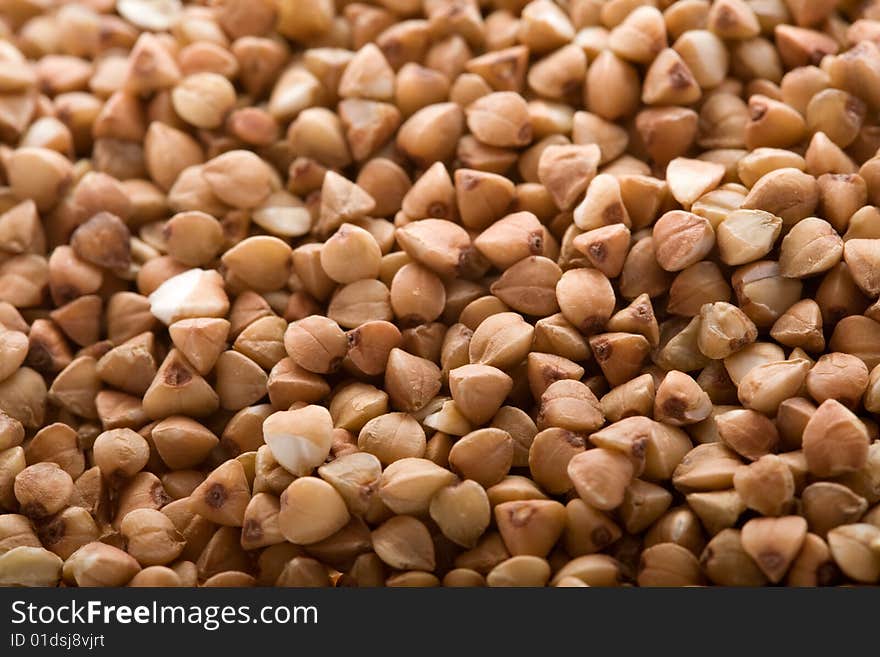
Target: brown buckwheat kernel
[(295, 293)]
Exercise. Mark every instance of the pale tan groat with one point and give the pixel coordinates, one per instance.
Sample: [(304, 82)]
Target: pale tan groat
[(120, 454), (835, 441), (454, 293), (41, 489), (100, 564), (774, 543), (311, 510), (151, 538)]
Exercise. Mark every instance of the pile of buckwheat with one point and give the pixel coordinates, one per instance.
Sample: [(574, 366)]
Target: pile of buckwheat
[(439, 292)]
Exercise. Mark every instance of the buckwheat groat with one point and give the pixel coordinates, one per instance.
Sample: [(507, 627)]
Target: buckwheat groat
[(568, 293)]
